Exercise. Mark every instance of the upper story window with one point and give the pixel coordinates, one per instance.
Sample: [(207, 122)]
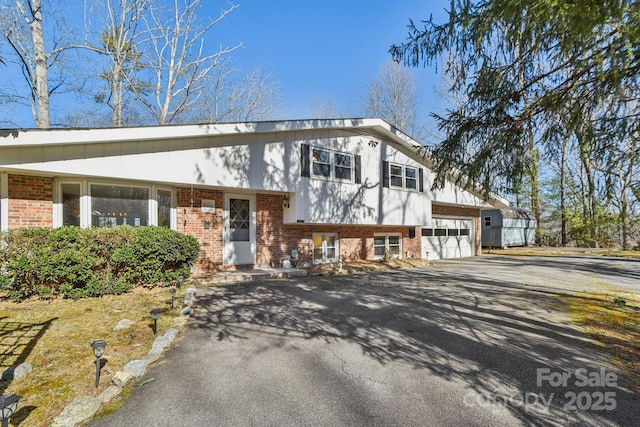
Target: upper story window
[(321, 162), (343, 166), (410, 178), (401, 176), (395, 175), (331, 164)]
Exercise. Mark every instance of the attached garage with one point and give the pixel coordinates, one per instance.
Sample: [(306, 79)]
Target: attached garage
[(448, 238)]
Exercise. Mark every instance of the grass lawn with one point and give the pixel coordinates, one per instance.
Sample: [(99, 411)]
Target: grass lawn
[(55, 336), (613, 320)]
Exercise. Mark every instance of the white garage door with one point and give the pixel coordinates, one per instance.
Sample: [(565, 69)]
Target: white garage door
[(448, 238)]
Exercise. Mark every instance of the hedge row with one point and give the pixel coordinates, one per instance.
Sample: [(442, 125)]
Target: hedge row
[(74, 262)]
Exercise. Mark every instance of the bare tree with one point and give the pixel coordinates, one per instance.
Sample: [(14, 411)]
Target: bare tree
[(230, 96), (178, 65), (23, 32), (393, 96), (119, 41)]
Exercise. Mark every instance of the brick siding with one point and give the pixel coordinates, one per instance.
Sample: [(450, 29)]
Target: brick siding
[(275, 240), (191, 220), (31, 205), (30, 201)]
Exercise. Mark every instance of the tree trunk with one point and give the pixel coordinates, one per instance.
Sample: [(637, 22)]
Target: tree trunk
[(117, 94), (41, 87), (563, 195), (590, 202), (535, 188)]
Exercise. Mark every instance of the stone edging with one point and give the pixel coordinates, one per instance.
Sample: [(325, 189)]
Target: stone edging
[(83, 408)]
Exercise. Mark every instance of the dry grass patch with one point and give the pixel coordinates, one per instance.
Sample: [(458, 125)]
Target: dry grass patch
[(359, 266), (613, 320), (549, 251), (55, 337)]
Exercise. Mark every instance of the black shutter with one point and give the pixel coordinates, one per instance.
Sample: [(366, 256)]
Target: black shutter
[(385, 174), (304, 161), (421, 178), (358, 168)]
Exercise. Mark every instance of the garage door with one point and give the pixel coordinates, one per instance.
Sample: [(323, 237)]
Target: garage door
[(448, 238)]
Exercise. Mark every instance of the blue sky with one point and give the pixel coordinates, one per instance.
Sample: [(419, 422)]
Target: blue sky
[(325, 51), (319, 51)]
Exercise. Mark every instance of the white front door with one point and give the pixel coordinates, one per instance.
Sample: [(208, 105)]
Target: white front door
[(239, 229)]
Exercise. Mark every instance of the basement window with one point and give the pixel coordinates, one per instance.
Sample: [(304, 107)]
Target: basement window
[(388, 244), (325, 247)]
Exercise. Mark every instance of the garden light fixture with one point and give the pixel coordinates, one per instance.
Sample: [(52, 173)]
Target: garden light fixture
[(155, 314), (8, 405), (98, 350), (172, 292), (180, 280)]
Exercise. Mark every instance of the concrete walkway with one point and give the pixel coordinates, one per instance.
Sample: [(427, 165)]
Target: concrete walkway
[(463, 343)]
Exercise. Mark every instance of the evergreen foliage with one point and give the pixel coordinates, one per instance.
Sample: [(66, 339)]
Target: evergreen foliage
[(74, 263)]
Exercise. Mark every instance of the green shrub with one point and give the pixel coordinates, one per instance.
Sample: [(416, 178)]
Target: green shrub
[(78, 263)]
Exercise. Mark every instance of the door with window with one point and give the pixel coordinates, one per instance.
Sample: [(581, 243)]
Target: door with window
[(239, 229)]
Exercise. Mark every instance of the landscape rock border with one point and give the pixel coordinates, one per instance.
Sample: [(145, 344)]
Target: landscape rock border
[(83, 408)]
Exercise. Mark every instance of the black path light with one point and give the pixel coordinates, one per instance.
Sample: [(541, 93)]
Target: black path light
[(98, 350), (180, 280), (172, 292), (155, 314), (8, 405)]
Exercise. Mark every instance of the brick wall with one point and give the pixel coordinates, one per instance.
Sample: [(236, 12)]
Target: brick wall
[(472, 213), (191, 220), (30, 201), (31, 205), (275, 240)]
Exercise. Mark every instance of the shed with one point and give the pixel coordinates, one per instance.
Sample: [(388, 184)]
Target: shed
[(507, 227)]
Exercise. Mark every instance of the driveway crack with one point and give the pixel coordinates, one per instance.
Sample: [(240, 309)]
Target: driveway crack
[(343, 367)]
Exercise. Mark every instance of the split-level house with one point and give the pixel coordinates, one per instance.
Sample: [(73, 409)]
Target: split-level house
[(253, 194)]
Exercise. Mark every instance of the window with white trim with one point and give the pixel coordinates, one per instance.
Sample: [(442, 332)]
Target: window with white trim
[(70, 194), (321, 161), (104, 203), (331, 164), (395, 175), (410, 178), (165, 204), (113, 205), (387, 245), (342, 166), (325, 247), (401, 176)]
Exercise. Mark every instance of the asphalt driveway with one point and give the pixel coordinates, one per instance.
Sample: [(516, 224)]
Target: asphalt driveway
[(478, 341)]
